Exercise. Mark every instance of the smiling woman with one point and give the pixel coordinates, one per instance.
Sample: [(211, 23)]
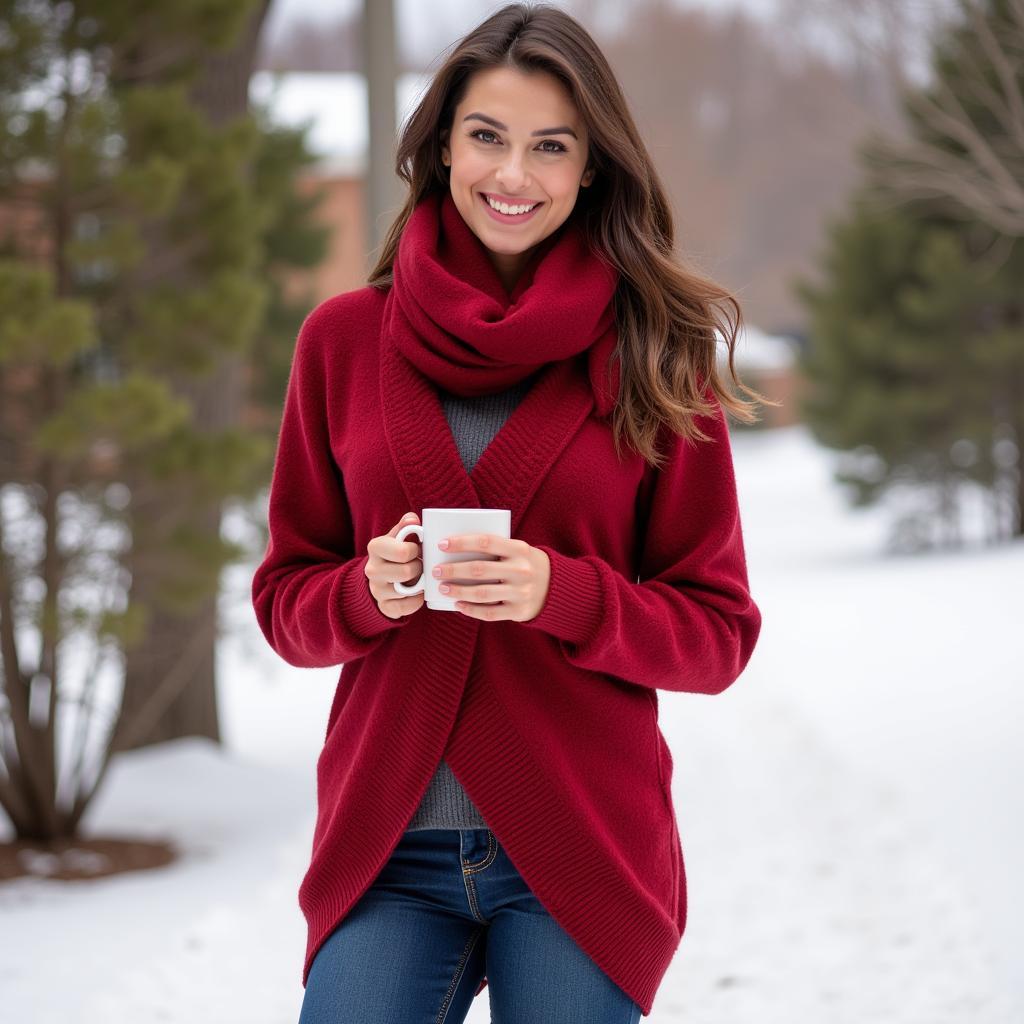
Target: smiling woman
[(491, 806)]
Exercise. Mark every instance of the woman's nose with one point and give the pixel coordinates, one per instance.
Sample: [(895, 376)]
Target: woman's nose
[(511, 174)]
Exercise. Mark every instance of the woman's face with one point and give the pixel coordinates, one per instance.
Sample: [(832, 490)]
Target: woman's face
[(518, 138)]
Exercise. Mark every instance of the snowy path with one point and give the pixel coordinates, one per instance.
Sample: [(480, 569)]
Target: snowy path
[(904, 668)]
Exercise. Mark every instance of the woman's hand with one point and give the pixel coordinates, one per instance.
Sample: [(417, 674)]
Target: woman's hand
[(525, 572), (392, 560)]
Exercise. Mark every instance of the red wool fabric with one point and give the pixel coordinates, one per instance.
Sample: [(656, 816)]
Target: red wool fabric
[(450, 316), (551, 725)]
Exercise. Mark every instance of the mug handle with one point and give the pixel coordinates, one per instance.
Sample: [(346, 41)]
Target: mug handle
[(410, 588)]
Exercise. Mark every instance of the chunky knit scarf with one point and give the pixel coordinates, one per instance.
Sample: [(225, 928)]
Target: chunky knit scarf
[(449, 314)]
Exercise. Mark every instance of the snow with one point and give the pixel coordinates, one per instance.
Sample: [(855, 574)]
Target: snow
[(849, 810), (758, 350)]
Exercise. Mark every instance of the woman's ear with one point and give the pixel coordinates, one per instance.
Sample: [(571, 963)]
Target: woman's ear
[(446, 157), (588, 177)]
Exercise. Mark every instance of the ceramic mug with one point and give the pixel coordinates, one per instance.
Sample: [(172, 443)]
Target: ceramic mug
[(438, 523)]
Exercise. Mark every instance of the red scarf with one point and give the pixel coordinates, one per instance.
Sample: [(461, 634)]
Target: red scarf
[(449, 314)]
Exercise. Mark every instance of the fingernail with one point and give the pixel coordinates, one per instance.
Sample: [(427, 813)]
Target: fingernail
[(443, 545)]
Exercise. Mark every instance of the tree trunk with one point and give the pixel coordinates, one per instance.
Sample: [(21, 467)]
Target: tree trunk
[(1017, 528), (170, 679)]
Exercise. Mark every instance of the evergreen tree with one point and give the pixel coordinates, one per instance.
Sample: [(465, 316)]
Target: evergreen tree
[(916, 361), (140, 237)]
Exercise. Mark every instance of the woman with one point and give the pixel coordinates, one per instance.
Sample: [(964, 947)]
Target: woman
[(494, 798)]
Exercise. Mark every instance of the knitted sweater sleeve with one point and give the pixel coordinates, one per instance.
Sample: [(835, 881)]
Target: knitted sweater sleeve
[(688, 623), (310, 593)]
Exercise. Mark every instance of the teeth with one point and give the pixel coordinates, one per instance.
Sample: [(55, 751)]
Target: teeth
[(504, 208)]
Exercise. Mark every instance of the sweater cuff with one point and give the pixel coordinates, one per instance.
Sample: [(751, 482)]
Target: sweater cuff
[(573, 607), (358, 608)]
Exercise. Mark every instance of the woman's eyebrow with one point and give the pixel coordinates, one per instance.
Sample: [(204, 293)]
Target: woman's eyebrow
[(560, 130)]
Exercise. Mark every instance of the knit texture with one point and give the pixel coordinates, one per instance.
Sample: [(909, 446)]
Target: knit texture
[(648, 592), (449, 315), (473, 422)]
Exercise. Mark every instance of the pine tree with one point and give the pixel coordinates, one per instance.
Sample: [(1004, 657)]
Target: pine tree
[(139, 239), (916, 364)]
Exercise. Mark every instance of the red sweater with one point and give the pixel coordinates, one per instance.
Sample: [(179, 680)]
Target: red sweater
[(549, 725)]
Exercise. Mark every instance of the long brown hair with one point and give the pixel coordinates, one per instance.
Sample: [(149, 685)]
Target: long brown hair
[(667, 313)]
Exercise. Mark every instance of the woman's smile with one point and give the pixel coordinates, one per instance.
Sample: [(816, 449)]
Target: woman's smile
[(508, 218)]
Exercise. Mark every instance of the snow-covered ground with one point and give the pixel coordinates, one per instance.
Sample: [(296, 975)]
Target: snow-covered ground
[(850, 810)]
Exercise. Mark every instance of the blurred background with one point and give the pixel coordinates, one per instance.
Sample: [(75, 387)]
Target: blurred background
[(180, 184)]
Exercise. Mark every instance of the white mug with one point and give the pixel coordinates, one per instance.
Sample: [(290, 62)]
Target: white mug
[(438, 523)]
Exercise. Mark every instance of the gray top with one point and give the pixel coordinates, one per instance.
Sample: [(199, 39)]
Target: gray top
[(474, 423)]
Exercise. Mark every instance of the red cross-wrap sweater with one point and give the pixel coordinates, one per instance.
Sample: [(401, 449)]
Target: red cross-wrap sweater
[(549, 725)]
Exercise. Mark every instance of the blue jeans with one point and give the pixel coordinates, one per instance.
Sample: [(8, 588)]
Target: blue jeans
[(447, 908)]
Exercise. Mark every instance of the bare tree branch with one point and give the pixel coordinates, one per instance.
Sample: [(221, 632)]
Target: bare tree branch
[(1013, 107), (987, 177)]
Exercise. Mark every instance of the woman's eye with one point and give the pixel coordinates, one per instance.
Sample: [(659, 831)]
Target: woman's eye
[(478, 133)]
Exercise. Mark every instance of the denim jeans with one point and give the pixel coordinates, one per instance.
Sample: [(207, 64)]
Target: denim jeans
[(447, 908)]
